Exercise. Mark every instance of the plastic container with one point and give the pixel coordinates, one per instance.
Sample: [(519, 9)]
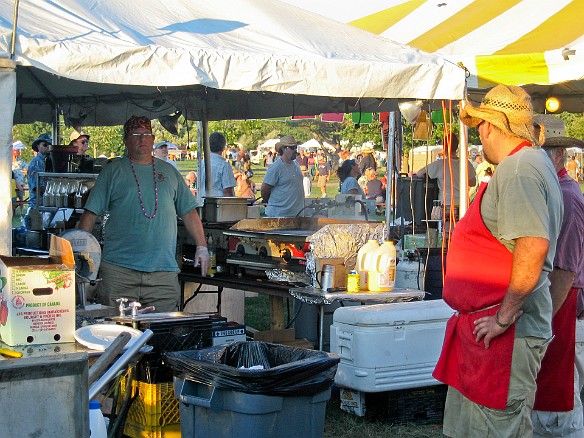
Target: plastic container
[(252, 389), (207, 411), (154, 411), (97, 427), (382, 274), (366, 261), (409, 273)]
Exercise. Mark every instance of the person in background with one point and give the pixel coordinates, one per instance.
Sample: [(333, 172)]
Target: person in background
[(558, 407), (348, 173), (80, 140), (37, 164), (306, 182), (494, 343), (367, 160), (19, 169), (222, 173), (477, 159), (282, 188), (161, 152), (449, 192), (245, 187), (374, 188), (484, 170), (191, 180), (269, 159), (143, 197), (573, 168), (302, 159), (324, 174)]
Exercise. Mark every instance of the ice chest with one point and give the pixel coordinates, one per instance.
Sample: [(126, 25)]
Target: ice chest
[(37, 298), (385, 347), (224, 209)]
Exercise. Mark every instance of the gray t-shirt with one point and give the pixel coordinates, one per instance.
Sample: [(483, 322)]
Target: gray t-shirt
[(523, 199), (436, 170), (130, 239), (222, 175), (350, 183), (287, 194)]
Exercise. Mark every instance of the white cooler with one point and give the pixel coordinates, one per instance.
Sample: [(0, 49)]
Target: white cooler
[(385, 347)]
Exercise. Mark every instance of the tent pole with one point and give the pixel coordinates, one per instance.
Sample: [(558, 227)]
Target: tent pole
[(14, 27), (463, 155), (391, 137)]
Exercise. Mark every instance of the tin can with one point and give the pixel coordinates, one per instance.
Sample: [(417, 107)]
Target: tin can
[(212, 263), (353, 282)]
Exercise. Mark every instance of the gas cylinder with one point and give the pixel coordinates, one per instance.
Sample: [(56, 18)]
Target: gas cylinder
[(365, 262), (409, 272), (382, 276)]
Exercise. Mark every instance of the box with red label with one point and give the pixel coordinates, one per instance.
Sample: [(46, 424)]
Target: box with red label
[(37, 297)]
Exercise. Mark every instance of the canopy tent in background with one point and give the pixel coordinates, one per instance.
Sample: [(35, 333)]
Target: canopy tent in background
[(537, 44), (100, 61)]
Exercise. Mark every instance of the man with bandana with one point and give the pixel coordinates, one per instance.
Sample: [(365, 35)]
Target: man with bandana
[(143, 197)]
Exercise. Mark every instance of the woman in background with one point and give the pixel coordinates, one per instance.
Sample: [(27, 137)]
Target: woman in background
[(348, 174), (374, 188)]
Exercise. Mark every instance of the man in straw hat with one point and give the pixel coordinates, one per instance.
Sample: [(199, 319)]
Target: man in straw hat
[(80, 140), (495, 342), (558, 408), (282, 187)]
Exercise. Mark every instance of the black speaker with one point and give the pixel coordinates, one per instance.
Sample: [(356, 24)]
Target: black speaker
[(415, 194)]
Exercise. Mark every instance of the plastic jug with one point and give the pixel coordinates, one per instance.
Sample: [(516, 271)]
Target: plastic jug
[(97, 425), (365, 261), (382, 275)]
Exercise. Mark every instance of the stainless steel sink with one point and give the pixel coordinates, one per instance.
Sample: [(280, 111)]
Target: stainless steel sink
[(154, 316)]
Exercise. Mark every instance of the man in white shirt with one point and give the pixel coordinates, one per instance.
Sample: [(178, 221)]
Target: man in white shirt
[(282, 187), (161, 152), (223, 178)]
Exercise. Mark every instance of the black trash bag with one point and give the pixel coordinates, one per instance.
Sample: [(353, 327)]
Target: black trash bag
[(288, 371)]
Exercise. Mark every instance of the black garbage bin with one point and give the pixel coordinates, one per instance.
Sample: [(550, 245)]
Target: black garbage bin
[(251, 389)]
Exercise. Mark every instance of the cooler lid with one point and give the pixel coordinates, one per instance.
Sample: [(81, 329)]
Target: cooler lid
[(393, 313)]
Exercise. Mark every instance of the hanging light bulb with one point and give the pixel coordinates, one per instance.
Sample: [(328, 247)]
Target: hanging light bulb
[(552, 104), (411, 110)]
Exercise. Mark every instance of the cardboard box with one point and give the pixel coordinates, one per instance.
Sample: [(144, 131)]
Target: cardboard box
[(37, 298), (352, 401), (273, 336)]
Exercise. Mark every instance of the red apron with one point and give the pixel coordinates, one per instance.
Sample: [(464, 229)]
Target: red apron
[(477, 278), (555, 380)]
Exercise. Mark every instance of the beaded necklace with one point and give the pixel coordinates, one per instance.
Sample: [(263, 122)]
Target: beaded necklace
[(140, 192)]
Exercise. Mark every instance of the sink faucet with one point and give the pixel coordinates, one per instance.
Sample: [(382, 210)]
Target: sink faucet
[(133, 307)]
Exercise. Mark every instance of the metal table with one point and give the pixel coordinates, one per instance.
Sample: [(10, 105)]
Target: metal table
[(320, 298), (276, 292)]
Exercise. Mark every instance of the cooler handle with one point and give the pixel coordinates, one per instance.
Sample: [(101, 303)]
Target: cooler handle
[(213, 402)]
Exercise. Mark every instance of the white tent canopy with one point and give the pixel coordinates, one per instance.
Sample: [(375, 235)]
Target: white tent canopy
[(537, 44), (100, 61)]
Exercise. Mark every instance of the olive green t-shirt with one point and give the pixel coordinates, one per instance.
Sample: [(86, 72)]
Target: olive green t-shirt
[(524, 199)]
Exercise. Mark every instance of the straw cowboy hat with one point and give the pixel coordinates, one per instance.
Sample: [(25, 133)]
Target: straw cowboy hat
[(509, 108), (555, 132), (287, 140), (366, 150), (76, 135)]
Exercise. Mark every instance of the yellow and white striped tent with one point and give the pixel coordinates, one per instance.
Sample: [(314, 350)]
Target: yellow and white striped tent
[(538, 44)]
